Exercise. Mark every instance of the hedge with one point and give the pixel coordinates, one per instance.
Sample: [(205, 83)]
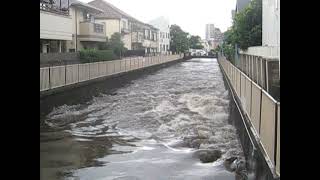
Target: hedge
[(92, 55)]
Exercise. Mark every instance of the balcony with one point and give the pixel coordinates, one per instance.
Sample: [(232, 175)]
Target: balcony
[(125, 31), (54, 7), (55, 26), (137, 38), (90, 31)]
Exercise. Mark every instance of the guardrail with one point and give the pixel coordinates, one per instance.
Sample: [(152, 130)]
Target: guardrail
[(262, 110), (59, 76)]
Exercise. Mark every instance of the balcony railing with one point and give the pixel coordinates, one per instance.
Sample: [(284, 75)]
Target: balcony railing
[(54, 7), (125, 30), (90, 31)]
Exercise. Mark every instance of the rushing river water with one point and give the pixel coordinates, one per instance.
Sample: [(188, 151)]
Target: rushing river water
[(148, 129)]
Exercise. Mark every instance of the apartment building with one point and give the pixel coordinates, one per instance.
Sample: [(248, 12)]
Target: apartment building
[(209, 32), (164, 33), (69, 26), (135, 34)]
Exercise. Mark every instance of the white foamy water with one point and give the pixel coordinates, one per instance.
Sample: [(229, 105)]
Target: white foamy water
[(161, 119)]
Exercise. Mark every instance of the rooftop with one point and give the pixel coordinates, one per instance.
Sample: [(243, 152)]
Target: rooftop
[(112, 12)]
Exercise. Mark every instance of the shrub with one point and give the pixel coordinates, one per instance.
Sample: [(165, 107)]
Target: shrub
[(92, 55)]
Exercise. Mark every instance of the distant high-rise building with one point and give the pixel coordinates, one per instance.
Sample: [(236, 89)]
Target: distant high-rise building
[(209, 32)]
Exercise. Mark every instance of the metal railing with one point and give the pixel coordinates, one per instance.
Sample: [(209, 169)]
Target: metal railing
[(263, 70), (54, 7), (262, 110), (59, 76)]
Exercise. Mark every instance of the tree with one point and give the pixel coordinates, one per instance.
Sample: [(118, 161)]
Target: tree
[(104, 45), (246, 30), (179, 39), (195, 42), (116, 44), (247, 26)]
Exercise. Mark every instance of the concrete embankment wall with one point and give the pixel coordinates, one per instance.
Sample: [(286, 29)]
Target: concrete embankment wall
[(57, 78), (257, 117)]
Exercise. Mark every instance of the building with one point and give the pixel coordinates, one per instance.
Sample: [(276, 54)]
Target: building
[(209, 32), (135, 34), (233, 12), (241, 4), (214, 36), (205, 45), (55, 27), (164, 33), (271, 23), (69, 26), (88, 33)]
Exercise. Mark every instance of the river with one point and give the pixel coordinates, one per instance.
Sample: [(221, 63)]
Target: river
[(148, 129)]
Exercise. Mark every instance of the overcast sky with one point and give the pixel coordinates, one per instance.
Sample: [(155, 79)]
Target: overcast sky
[(190, 15)]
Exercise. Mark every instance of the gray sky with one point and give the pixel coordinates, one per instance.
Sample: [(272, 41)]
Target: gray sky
[(190, 15)]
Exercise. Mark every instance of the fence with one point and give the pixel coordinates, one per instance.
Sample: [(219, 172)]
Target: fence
[(58, 76), (263, 70), (262, 110)]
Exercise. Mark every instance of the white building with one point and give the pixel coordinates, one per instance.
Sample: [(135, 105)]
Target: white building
[(209, 32), (271, 23), (163, 25), (206, 46)]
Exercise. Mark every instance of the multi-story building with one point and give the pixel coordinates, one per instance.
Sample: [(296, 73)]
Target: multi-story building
[(87, 32), (214, 36), (164, 33), (55, 27), (68, 26), (135, 34), (116, 21), (209, 32)]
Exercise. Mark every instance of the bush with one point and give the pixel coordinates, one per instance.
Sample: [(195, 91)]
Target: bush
[(92, 55)]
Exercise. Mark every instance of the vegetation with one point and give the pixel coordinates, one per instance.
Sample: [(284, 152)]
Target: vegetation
[(246, 30), (109, 50), (93, 55), (179, 39), (116, 45), (195, 42)]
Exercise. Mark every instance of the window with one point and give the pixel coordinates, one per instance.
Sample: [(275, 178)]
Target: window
[(98, 28), (124, 25), (146, 34)]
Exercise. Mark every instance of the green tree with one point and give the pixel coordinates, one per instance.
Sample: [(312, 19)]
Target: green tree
[(104, 45), (195, 42), (247, 26), (116, 44), (246, 30), (179, 39)]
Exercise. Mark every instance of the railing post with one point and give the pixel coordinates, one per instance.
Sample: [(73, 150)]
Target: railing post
[(267, 76), (49, 77)]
